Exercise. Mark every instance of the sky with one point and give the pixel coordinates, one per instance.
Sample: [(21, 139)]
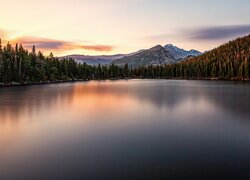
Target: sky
[(98, 27)]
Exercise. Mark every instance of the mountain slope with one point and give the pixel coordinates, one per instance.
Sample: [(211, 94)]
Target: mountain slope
[(229, 61), (155, 56), (94, 60), (179, 53)]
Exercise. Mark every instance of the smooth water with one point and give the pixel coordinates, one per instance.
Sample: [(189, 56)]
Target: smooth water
[(136, 129)]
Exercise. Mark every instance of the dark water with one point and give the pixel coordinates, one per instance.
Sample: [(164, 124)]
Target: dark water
[(137, 129)]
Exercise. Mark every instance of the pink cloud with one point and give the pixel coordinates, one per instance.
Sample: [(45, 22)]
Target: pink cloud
[(55, 45), (105, 48)]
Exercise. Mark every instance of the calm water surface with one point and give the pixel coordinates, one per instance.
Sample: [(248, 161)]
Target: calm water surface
[(136, 129)]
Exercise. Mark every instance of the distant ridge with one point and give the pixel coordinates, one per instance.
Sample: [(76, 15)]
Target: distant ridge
[(156, 55), (179, 53), (94, 60)]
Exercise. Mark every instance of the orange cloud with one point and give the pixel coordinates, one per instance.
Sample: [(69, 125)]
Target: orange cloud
[(56, 45), (97, 47), (43, 43)]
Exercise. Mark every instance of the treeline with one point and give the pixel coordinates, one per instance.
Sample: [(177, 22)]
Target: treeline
[(18, 65), (229, 61)]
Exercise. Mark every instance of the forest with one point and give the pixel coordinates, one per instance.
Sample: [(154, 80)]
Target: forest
[(19, 66)]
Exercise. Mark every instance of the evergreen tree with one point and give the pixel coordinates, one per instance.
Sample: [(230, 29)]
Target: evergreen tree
[(225, 62)]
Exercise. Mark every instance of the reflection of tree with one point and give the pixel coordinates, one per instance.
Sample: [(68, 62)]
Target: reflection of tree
[(17, 101), (159, 93), (233, 97)]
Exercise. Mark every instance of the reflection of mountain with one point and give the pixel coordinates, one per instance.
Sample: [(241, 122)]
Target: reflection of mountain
[(83, 129), (170, 94), (111, 97)]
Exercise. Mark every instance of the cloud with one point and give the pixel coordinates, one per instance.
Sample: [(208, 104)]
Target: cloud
[(58, 45), (97, 47), (157, 37), (41, 43), (205, 34), (219, 32)]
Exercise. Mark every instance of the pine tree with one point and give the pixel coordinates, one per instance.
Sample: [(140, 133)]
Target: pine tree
[(246, 68), (126, 70), (51, 55), (1, 49), (1, 62), (34, 50), (33, 56)]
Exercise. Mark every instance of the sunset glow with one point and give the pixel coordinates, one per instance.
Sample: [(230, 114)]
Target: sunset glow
[(117, 26)]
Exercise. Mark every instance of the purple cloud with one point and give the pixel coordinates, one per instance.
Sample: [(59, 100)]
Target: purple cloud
[(59, 45), (219, 32), (42, 43)]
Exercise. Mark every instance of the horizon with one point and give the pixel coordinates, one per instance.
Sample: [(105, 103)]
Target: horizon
[(112, 27)]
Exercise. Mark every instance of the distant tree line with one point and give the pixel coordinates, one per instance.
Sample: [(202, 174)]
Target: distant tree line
[(229, 61), (20, 65)]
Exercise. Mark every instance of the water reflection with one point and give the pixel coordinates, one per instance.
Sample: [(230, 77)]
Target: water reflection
[(135, 126), (24, 102), (28, 103)]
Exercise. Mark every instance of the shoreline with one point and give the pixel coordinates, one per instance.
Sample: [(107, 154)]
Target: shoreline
[(15, 84)]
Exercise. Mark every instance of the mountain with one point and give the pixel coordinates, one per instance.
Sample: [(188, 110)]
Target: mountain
[(179, 53), (156, 55), (94, 60)]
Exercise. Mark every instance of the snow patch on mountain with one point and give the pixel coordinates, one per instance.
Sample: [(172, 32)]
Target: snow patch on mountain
[(179, 53)]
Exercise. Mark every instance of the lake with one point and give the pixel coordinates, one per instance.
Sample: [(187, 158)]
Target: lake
[(127, 129)]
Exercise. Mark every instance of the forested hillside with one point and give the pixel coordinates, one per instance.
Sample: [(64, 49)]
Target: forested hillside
[(229, 61)]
